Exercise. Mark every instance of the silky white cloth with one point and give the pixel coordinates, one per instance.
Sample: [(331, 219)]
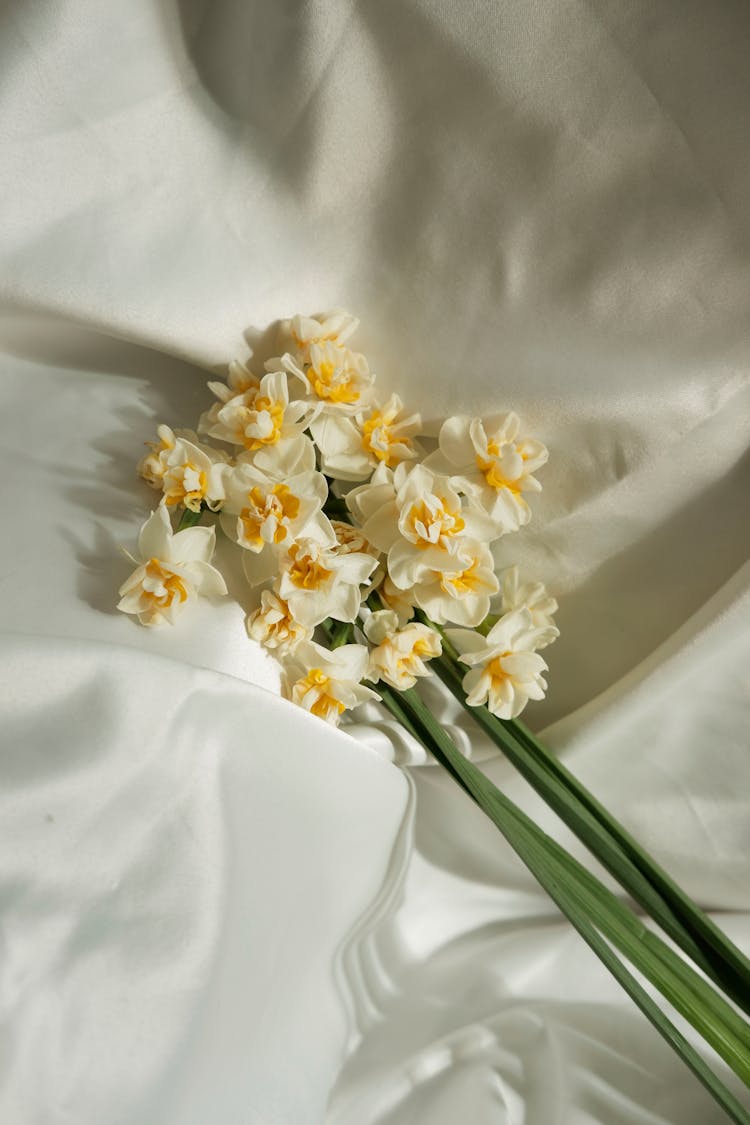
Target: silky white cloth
[(536, 207)]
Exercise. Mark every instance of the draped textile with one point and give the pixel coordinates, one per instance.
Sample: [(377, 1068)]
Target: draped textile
[(211, 906)]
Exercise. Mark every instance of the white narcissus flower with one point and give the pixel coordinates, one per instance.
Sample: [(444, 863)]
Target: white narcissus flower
[(418, 518), (258, 417), (400, 654), (350, 448), (273, 626), (335, 326), (152, 466), (193, 475), (327, 683), (262, 511), (506, 671), (319, 582), (172, 569), (534, 597), (489, 461), (458, 587), (177, 448), (298, 334), (335, 379)]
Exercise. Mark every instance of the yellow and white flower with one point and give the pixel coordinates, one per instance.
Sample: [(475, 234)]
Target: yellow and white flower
[(327, 683), (534, 597), (351, 448), (335, 327), (419, 519), (258, 417), (455, 587), (335, 379), (265, 514), (273, 626), (489, 461), (193, 475), (173, 568), (152, 466), (318, 581), (505, 670), (184, 470), (399, 656)]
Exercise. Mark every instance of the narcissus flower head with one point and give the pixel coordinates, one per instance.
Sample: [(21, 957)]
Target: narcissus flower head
[(174, 567), (327, 683)]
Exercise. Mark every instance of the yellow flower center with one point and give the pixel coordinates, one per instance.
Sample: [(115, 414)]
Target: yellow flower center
[(161, 587), (495, 668), (316, 681), (333, 383), (430, 520), (306, 572), (185, 484), (377, 437), (493, 472), (262, 423), (268, 511), (461, 581)]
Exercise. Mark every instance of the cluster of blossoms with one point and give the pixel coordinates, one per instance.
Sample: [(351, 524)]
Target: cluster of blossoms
[(350, 529)]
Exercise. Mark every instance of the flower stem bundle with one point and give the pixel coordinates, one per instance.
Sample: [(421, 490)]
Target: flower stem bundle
[(373, 555)]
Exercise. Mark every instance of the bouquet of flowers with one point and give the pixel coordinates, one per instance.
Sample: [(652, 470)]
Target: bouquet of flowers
[(370, 551)]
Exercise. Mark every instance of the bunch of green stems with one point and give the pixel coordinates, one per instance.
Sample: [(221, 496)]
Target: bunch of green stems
[(706, 979)]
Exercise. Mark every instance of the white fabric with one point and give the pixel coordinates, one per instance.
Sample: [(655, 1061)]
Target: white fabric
[(537, 207)]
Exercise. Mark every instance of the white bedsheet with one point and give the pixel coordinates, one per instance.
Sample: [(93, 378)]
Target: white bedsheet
[(211, 907)]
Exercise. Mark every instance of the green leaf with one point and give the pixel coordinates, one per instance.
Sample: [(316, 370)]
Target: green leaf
[(592, 908), (618, 852)]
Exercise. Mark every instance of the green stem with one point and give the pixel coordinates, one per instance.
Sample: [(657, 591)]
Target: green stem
[(340, 633), (189, 518), (727, 963), (602, 834), (640, 876), (585, 901)]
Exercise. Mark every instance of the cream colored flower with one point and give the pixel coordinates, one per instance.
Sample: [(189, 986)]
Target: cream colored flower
[(456, 587), (273, 626), (400, 654), (319, 582), (327, 683), (350, 448), (262, 511), (173, 568), (488, 460), (258, 417), (420, 511), (193, 475), (334, 378), (176, 464), (506, 672), (534, 597), (335, 326), (419, 519), (152, 466), (239, 380)]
